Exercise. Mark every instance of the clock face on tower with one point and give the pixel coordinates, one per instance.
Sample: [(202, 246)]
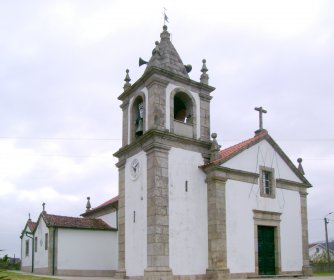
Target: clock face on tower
[(135, 169)]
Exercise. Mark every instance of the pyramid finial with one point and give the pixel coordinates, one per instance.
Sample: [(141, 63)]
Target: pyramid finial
[(127, 80), (300, 167), (88, 206), (215, 148), (204, 77), (43, 204)]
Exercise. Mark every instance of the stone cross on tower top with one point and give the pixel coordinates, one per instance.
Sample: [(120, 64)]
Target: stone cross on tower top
[(261, 111)]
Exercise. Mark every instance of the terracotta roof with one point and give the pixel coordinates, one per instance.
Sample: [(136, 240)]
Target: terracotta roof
[(31, 225), (232, 151), (74, 222), (107, 203), (102, 206)]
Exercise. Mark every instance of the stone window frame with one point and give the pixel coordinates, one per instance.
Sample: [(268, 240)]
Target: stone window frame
[(271, 171), (193, 106), (271, 219), (133, 115)]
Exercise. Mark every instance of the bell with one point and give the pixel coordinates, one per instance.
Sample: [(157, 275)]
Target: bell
[(139, 127)]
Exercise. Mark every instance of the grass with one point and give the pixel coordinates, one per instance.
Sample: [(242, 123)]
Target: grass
[(11, 275), (323, 273)]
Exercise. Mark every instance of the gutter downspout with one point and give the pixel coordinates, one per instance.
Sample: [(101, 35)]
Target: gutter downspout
[(53, 250), (32, 250)]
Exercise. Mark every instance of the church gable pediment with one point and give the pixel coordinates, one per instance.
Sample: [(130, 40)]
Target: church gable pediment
[(259, 152)]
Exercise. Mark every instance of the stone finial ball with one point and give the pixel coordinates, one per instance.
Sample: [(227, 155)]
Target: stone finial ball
[(156, 43), (214, 135), (204, 60), (299, 160), (127, 70), (165, 27)]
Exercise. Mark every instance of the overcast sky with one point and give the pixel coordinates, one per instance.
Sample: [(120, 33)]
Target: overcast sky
[(62, 67)]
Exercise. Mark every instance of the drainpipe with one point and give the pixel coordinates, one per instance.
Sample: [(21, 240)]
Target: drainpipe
[(53, 250), (32, 250)]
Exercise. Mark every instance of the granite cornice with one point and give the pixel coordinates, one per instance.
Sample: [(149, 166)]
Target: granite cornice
[(166, 74), (164, 138), (287, 184)]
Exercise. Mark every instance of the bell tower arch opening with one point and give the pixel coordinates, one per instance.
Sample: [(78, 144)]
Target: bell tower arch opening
[(137, 118), (183, 108)]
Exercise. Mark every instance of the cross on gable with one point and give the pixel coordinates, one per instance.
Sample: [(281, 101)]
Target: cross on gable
[(261, 111)]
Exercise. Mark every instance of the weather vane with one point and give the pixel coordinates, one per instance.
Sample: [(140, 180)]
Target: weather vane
[(165, 16)]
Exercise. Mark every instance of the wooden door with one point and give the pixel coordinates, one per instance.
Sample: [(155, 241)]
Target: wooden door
[(266, 250)]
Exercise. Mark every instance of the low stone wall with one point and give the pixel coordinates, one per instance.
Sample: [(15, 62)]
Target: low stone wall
[(323, 267)]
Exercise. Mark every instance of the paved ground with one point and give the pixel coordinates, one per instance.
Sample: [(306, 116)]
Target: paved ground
[(109, 278)]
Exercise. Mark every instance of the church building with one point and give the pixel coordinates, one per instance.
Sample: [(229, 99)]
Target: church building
[(186, 208)]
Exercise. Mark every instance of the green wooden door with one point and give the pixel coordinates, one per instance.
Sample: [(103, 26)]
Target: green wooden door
[(266, 250)]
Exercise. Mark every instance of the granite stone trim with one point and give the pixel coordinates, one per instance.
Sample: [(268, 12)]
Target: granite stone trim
[(272, 219), (217, 247), (120, 273), (307, 269)]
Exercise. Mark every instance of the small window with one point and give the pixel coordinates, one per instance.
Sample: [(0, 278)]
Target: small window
[(35, 244), (27, 248), (317, 250), (46, 241), (267, 182)]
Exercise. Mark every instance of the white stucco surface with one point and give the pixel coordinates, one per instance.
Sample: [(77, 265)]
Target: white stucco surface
[(41, 256), (26, 260), (262, 154), (110, 219), (136, 218), (188, 237), (87, 249), (241, 200)]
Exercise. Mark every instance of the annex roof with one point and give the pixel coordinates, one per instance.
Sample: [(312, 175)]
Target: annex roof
[(111, 202), (73, 222)]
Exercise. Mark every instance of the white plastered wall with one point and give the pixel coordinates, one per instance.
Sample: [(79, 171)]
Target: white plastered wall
[(136, 227), (87, 249), (188, 228), (110, 219), (242, 198), (262, 154), (26, 260), (169, 90), (41, 256)]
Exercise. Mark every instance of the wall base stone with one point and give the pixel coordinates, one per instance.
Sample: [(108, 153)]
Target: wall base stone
[(307, 270), (120, 274), (158, 273), (217, 274)]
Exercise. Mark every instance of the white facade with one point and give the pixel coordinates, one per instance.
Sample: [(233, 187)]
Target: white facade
[(188, 224), (26, 254), (86, 250), (243, 198), (136, 217), (110, 219), (40, 250)]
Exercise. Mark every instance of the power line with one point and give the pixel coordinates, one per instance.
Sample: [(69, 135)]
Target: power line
[(59, 138)]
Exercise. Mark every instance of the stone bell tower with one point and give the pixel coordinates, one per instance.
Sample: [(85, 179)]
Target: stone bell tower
[(162, 192)]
